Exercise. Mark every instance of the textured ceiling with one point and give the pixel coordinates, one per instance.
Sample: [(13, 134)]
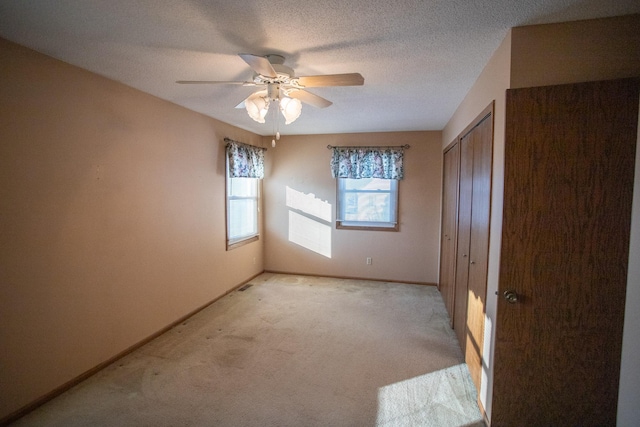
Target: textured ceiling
[(418, 57)]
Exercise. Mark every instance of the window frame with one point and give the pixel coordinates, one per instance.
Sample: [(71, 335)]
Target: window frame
[(367, 225), (236, 243)]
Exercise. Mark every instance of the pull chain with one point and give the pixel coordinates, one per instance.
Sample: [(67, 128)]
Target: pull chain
[(276, 124)]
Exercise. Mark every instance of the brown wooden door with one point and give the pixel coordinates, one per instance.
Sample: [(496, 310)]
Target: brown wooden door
[(464, 239), (569, 166), (451, 161), (482, 141)]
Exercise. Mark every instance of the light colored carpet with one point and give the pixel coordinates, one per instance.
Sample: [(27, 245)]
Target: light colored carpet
[(288, 351)]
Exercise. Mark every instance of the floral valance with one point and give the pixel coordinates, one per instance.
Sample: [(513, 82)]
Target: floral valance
[(245, 161), (368, 162)]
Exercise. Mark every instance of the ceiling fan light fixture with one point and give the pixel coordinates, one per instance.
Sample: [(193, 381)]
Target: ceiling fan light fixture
[(291, 109), (257, 106), (281, 82)]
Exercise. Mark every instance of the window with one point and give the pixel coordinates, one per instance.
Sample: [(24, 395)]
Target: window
[(245, 166), (367, 186), (242, 211), (368, 203)]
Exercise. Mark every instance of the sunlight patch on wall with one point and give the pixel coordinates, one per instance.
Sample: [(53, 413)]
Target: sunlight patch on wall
[(310, 234), (485, 391), (442, 398), (304, 229), (309, 204)]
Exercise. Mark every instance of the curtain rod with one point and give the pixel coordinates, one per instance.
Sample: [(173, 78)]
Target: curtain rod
[(243, 143), (406, 146)]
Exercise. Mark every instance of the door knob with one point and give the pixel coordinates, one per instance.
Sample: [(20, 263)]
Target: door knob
[(511, 296)]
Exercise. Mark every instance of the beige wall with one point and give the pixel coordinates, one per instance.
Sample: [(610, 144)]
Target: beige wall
[(546, 55), (571, 52), (299, 239), (629, 395), (112, 220)]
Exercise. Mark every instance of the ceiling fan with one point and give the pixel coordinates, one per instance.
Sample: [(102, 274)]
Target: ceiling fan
[(279, 84)]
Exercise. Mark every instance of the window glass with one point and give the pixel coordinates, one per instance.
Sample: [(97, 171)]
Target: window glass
[(368, 202), (242, 210)]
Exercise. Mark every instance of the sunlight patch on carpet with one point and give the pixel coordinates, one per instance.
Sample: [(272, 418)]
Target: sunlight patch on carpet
[(441, 398)]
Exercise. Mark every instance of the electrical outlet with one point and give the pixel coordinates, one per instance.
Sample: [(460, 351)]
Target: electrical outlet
[(369, 261), (254, 260)]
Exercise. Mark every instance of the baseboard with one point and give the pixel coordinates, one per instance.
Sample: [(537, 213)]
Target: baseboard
[(350, 277), (85, 375)]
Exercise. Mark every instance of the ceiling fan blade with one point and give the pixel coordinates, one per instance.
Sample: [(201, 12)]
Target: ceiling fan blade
[(213, 82), (310, 98), (259, 64), (350, 79)]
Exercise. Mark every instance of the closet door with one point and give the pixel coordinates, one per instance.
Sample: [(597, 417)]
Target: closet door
[(482, 141), (464, 246), (569, 170), (473, 239), (464, 239), (448, 237)]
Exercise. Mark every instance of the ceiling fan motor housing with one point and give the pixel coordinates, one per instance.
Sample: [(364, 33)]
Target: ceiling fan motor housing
[(284, 75), (273, 91)]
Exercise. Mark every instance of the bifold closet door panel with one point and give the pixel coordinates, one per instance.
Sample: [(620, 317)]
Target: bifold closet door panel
[(464, 239), (482, 137), (451, 160)]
